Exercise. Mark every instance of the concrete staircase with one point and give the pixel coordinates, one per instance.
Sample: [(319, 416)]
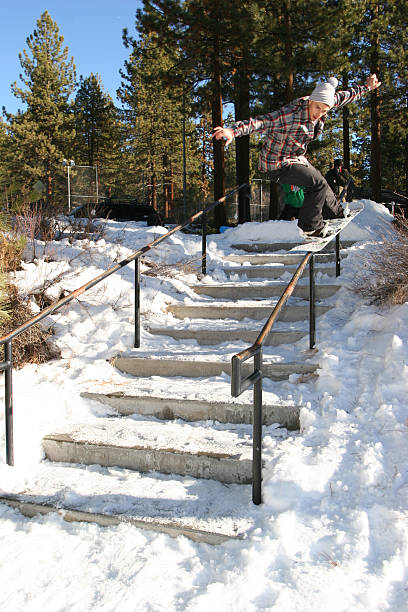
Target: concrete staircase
[(191, 442)]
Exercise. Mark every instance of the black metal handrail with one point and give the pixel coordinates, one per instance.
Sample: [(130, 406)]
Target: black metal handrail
[(240, 384), (7, 364)]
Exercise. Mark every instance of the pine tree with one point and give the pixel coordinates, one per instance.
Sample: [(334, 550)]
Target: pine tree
[(374, 40), (394, 103), (97, 133), (43, 133), (153, 118), (203, 31), (96, 123)]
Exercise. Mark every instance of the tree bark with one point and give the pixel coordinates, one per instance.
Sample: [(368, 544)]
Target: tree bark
[(406, 161), (288, 49), (346, 131), (375, 172), (218, 145), (274, 207), (242, 144)]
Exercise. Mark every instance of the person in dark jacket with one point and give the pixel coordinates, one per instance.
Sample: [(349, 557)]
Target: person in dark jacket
[(337, 177), (288, 132)]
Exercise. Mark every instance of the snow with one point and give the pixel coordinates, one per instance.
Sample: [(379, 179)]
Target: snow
[(332, 533)]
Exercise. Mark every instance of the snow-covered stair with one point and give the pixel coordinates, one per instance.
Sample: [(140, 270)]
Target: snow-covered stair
[(169, 448), (195, 437), (202, 510)]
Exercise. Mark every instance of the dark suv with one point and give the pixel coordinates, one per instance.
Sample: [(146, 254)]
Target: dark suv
[(119, 210)]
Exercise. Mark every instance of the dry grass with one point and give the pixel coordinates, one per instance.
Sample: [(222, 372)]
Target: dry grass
[(11, 250), (383, 276), (32, 346)]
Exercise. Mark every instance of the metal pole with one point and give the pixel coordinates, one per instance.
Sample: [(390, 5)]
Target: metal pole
[(312, 311), (338, 254), (257, 434), (8, 400), (137, 303), (204, 244)]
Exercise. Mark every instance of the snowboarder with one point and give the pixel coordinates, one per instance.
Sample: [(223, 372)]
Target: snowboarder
[(288, 132)]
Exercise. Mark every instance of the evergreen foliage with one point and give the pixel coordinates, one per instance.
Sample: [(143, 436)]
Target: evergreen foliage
[(155, 109), (97, 134), (193, 63), (44, 131)]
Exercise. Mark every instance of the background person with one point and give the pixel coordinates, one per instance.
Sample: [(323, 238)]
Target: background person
[(337, 177)]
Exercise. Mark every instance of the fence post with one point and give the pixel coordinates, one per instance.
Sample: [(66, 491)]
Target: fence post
[(204, 244), (338, 254), (312, 297), (8, 400), (257, 433)]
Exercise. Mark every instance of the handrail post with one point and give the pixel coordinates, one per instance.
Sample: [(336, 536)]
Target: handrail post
[(338, 254), (257, 433), (137, 303), (312, 299), (204, 244), (8, 401)]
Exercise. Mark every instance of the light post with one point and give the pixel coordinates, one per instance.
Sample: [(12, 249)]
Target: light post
[(69, 164)]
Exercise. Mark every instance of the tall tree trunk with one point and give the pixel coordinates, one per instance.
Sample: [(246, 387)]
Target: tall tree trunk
[(346, 130), (406, 161), (204, 161), (48, 183), (375, 124), (171, 201), (242, 144), (166, 190), (274, 204), (288, 49), (153, 190), (218, 145)]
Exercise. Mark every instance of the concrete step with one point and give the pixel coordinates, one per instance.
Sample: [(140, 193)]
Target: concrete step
[(234, 291), (255, 259), (255, 312), (129, 401), (207, 336), (168, 448), (273, 271), (151, 366), (202, 510), (260, 247)]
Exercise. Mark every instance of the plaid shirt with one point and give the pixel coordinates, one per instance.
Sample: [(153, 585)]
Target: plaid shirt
[(289, 130)]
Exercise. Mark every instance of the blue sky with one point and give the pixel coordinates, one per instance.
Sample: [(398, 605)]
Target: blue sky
[(92, 31)]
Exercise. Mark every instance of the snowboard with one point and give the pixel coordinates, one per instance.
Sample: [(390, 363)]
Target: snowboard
[(314, 245)]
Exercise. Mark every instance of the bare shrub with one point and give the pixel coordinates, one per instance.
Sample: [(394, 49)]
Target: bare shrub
[(33, 345), (383, 276), (81, 228)]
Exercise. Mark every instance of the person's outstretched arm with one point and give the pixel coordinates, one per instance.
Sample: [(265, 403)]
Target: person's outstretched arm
[(355, 93)]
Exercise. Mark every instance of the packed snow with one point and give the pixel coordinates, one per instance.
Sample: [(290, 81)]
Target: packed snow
[(332, 532)]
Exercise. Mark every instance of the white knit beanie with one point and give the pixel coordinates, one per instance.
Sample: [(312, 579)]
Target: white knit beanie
[(324, 92)]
